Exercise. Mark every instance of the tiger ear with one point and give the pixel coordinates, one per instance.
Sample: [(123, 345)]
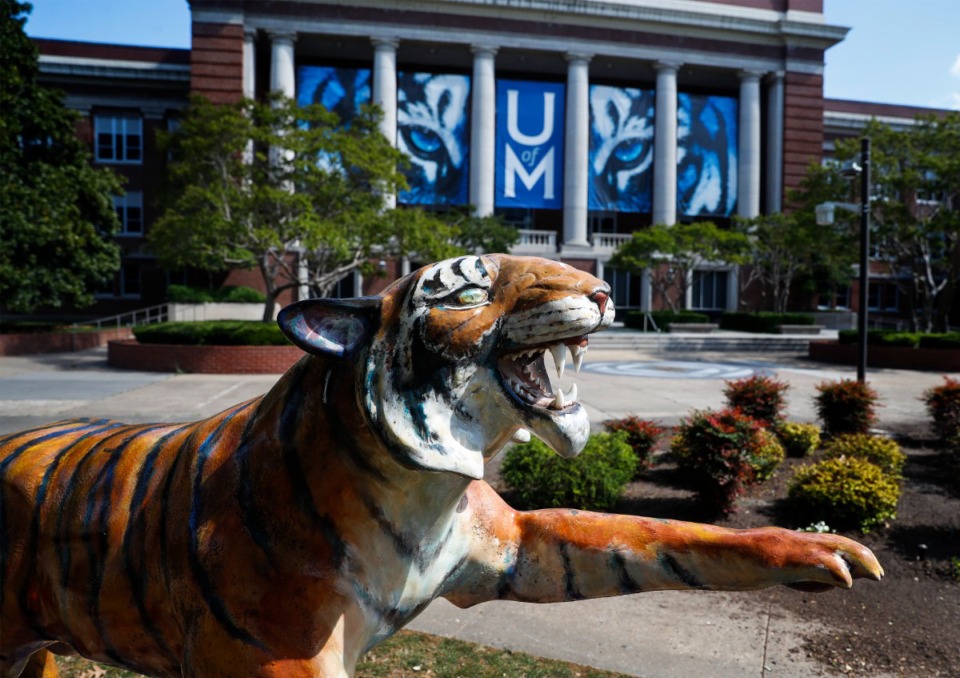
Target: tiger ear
[(334, 327)]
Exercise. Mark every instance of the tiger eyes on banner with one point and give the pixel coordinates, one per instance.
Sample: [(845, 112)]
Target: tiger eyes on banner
[(291, 533)]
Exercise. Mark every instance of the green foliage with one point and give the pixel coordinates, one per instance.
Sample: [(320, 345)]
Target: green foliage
[(845, 406), (846, 493), (481, 234), (231, 294), (594, 480), (760, 397), (880, 451), (665, 319), (254, 182), (642, 436), (916, 172), (881, 338), (56, 210), (671, 253), (798, 439), (943, 405), (954, 568), (212, 333), (763, 322), (724, 451), (948, 340)]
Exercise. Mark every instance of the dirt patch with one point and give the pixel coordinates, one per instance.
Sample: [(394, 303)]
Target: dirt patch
[(908, 625)]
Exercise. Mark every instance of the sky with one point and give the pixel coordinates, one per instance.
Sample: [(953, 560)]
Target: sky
[(897, 51)]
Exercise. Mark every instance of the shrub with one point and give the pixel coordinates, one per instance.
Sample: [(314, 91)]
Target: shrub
[(763, 322), (878, 450), (540, 478), (845, 406), (882, 338), (759, 397), (943, 406), (766, 454), (642, 435), (664, 319), (231, 294), (799, 440), (949, 340), (723, 451), (212, 333), (845, 493)]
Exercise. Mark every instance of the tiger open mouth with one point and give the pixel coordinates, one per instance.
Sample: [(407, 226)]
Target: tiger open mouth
[(524, 373)]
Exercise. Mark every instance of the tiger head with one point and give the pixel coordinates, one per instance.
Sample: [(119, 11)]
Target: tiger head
[(449, 361)]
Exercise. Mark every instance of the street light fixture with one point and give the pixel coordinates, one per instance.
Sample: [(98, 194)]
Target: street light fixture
[(825, 216)]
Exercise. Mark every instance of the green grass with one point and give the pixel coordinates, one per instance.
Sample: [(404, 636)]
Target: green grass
[(413, 654)]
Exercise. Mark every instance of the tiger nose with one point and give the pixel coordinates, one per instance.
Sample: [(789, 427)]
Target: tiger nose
[(600, 298)]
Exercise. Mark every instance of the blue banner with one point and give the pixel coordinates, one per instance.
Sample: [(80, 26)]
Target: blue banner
[(621, 149), (707, 154), (341, 90), (433, 130), (529, 144)]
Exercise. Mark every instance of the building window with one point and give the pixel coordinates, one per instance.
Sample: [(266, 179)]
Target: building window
[(883, 296), (119, 138), (129, 209), (709, 290), (130, 280), (624, 287), (834, 298)]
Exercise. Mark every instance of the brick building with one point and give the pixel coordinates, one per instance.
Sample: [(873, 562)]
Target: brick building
[(577, 122)]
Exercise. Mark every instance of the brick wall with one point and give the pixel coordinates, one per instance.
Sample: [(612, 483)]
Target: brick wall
[(802, 125), (216, 62), (58, 342), (132, 355)]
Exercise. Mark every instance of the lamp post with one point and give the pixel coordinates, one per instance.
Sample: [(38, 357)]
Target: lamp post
[(825, 216)]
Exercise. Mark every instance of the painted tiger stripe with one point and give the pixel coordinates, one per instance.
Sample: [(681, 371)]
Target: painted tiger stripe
[(136, 571), (214, 602), (626, 581), (570, 588), (670, 564), (10, 437), (4, 466)]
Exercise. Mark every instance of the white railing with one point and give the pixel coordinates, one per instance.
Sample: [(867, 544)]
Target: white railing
[(141, 316), (609, 241), (536, 242)]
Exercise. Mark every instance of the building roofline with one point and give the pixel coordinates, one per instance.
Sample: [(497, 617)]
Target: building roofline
[(101, 51)]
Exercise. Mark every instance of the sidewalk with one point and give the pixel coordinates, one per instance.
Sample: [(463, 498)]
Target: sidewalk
[(659, 635)]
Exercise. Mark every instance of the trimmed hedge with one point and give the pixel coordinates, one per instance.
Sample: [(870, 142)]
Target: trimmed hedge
[(946, 340), (231, 294), (664, 319), (844, 493), (905, 339), (763, 322), (212, 333)]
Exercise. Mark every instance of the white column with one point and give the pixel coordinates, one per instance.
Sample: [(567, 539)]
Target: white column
[(748, 197), (665, 146), (576, 153), (282, 75), (646, 291), (483, 131), (385, 94), (249, 62), (774, 182)]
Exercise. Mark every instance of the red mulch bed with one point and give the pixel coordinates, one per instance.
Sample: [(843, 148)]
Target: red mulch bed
[(909, 624)]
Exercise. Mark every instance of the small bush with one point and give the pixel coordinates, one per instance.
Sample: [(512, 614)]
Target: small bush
[(878, 450), (766, 454), (212, 333), (763, 322), (943, 406), (949, 340), (664, 319), (758, 397), (723, 451), (845, 493), (540, 478), (231, 294), (642, 436), (799, 440), (881, 338), (845, 406)]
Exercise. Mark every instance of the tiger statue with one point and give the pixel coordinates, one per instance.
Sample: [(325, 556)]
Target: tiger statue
[(289, 534)]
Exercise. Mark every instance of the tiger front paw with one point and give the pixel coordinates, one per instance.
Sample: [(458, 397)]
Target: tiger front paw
[(826, 561)]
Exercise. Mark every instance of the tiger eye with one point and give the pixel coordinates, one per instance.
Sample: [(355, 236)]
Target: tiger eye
[(471, 296)]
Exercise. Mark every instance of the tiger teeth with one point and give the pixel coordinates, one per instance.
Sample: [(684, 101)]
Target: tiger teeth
[(578, 354), (559, 352), (561, 400)]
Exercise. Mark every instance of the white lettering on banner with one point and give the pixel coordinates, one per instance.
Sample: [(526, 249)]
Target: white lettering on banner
[(514, 130), (513, 167)]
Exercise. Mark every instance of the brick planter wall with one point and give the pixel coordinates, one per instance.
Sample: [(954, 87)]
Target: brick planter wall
[(893, 357), (31, 343), (132, 355)]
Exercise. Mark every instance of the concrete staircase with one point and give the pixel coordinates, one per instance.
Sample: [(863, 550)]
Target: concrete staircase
[(622, 339)]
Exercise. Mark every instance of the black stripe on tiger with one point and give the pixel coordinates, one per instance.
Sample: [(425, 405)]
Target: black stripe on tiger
[(670, 564), (213, 601), (569, 574), (4, 465), (626, 581), (134, 570)]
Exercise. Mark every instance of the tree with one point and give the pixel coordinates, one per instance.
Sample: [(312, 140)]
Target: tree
[(310, 213), (56, 211), (672, 253), (915, 211)]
